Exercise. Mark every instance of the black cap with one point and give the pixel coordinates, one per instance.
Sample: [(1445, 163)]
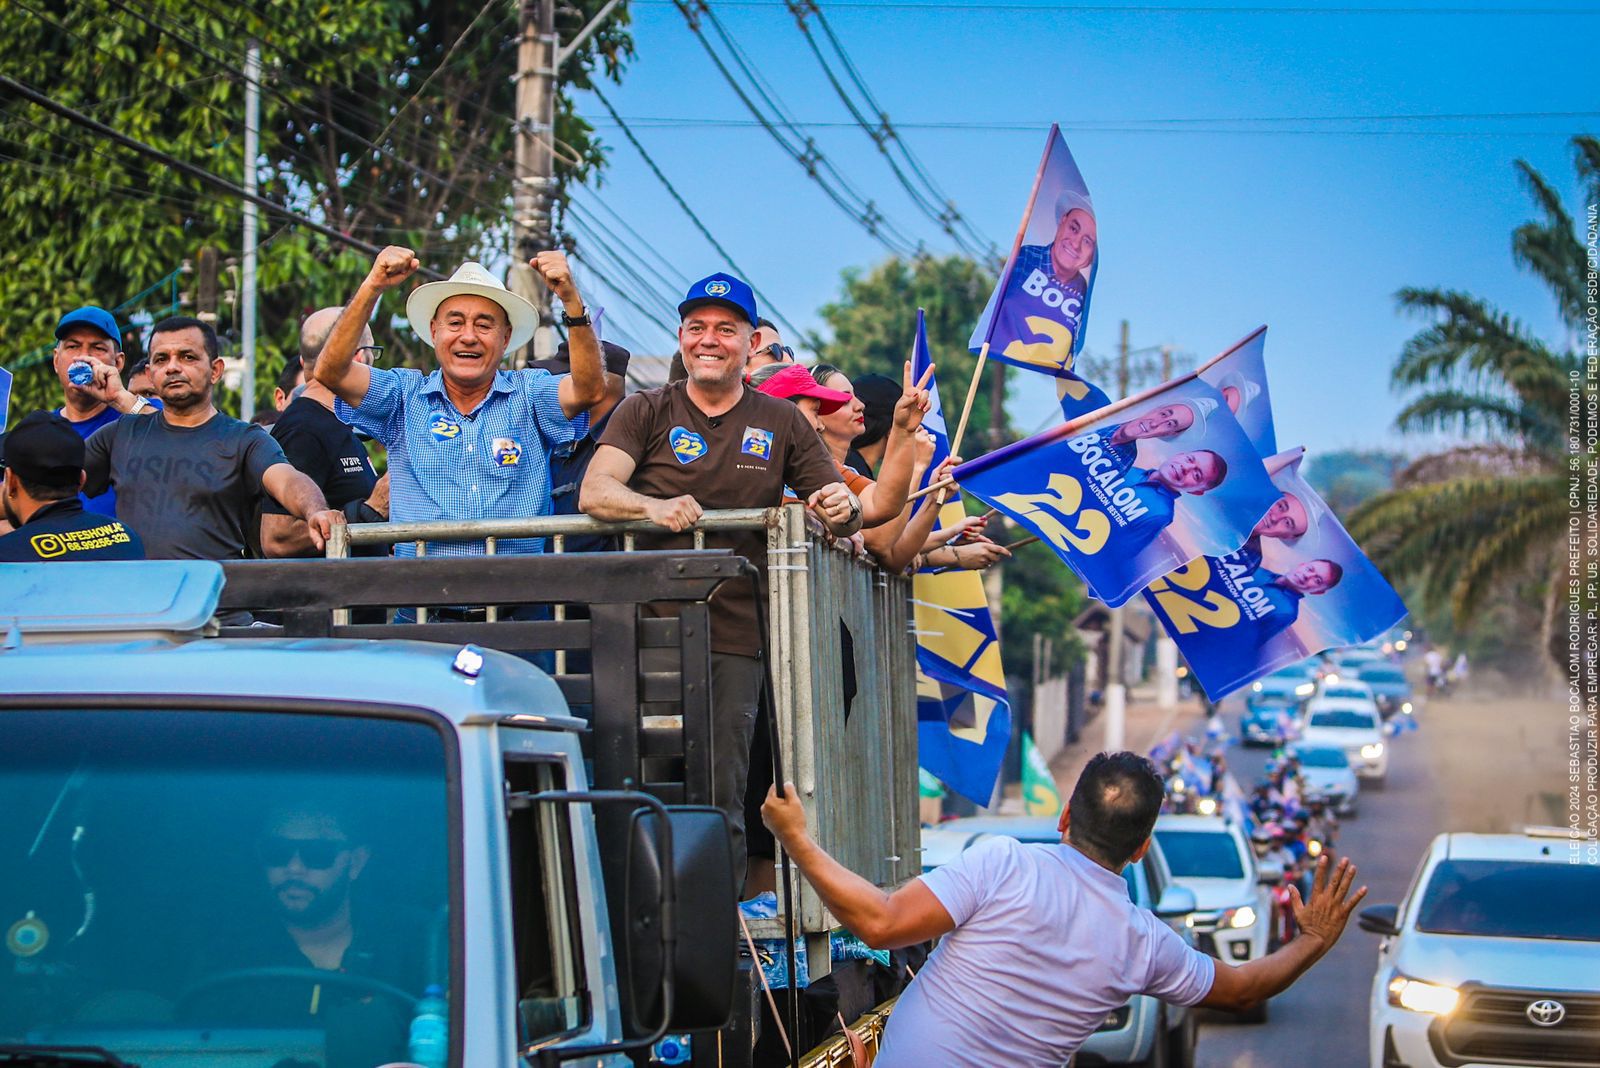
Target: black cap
[(43, 449), (615, 356)]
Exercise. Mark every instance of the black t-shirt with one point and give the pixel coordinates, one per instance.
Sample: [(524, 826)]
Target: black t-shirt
[(190, 491), (326, 450), (64, 531), (743, 458)]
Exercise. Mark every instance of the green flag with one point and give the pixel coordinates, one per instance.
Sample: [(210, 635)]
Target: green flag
[(1039, 795)]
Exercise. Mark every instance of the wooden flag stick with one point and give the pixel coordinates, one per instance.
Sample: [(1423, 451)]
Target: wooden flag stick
[(972, 393), (1021, 542)]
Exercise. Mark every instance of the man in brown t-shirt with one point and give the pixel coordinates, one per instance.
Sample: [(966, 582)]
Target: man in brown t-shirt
[(711, 442)]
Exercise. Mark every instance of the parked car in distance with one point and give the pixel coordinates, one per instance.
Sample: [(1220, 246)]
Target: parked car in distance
[(1233, 913), (1354, 727), (1492, 957), (1390, 687), (1268, 721), (1296, 682), (1328, 776), (1145, 1032)]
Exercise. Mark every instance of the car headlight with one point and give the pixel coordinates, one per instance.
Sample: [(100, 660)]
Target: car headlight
[(1400, 646), (1207, 806), (1406, 708), (1314, 849), (1373, 751), (1331, 677), (1243, 916), (1413, 994), (1305, 689)]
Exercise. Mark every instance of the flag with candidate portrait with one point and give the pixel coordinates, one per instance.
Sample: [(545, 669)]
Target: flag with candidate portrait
[(1240, 375), (963, 719), (1299, 585), (1036, 315), (1128, 494)]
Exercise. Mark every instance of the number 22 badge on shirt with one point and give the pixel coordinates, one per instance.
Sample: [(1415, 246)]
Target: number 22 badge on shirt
[(687, 446), (507, 452), (756, 442), (443, 427)]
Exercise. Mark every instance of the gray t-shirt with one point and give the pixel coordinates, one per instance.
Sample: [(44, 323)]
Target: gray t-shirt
[(1046, 944), (190, 492)]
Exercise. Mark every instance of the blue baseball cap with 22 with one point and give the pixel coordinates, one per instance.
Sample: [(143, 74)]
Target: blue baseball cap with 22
[(722, 289), (89, 315)]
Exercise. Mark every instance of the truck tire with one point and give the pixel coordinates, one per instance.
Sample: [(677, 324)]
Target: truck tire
[(1181, 1041)]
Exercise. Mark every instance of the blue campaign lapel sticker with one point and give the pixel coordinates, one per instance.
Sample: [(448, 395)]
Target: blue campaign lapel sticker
[(687, 446), (507, 451), (756, 442), (443, 427)]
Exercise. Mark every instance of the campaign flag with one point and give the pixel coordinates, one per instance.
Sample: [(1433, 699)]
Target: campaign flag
[(1129, 493), (961, 737), (1036, 315), (963, 719), (1299, 585), (5, 397), (1039, 794), (1240, 375)]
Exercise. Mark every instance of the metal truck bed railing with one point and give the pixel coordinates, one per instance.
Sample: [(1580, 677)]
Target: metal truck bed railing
[(837, 624)]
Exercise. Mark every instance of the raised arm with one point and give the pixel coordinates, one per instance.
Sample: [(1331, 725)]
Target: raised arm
[(605, 495), (585, 387), (336, 366), (1322, 920), (107, 387), (296, 492), (882, 920), (899, 453)]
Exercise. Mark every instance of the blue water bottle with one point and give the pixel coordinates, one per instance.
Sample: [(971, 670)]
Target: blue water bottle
[(80, 372), (673, 1049), (430, 1030)]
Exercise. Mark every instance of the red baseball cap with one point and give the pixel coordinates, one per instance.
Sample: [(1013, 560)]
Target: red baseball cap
[(795, 381)]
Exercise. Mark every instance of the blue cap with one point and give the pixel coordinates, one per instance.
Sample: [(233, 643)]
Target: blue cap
[(721, 289), (89, 315)]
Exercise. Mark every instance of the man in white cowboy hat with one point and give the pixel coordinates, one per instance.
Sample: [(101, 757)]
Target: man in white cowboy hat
[(469, 440)]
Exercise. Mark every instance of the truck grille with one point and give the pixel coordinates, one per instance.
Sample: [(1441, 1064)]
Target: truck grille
[(1493, 1025)]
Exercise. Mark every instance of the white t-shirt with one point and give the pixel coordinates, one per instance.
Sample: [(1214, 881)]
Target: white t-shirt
[(1046, 945)]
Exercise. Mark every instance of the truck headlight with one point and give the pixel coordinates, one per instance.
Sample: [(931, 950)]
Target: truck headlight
[(1305, 689), (1207, 806), (1373, 751), (1406, 708), (1243, 916), (1413, 994)]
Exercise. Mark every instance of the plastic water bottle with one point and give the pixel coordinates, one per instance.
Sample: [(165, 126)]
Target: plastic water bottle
[(80, 373), (673, 1049), (430, 1030)]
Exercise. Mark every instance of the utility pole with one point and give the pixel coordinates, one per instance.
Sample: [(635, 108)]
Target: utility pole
[(247, 296), (1115, 690), (533, 187)]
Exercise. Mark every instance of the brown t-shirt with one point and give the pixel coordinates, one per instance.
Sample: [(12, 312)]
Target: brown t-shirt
[(741, 459)]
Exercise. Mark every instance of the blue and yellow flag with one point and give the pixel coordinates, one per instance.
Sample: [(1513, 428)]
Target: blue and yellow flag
[(1039, 794), (1036, 315), (1130, 493), (1299, 585), (963, 719), (1240, 375)]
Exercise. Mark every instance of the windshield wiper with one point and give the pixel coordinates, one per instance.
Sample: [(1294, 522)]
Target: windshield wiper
[(60, 1056)]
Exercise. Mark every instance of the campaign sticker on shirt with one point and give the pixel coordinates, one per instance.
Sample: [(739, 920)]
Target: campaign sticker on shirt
[(687, 446), (756, 442), (507, 451), (443, 427)]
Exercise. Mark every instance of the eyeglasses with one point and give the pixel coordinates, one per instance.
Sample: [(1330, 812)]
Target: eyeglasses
[(372, 351), (780, 352), (318, 854)]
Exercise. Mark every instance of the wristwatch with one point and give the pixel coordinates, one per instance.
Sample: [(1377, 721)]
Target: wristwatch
[(139, 405), (576, 320)]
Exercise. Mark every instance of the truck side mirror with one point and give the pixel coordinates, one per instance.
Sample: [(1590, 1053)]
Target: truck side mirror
[(1380, 919), (1176, 901), (1269, 873), (705, 958)]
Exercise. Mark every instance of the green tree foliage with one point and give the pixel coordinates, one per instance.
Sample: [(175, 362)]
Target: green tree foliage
[(1471, 523), (873, 323), (429, 82), (1348, 477)]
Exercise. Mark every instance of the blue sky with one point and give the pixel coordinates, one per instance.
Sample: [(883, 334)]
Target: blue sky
[(1213, 220)]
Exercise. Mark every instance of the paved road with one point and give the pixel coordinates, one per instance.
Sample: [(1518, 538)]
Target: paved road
[(1321, 1022)]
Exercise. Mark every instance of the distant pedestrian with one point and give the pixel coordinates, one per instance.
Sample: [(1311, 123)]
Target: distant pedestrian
[(1458, 670), (1433, 664), (43, 461)]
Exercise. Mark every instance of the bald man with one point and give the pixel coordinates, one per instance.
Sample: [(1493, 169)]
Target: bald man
[(316, 442)]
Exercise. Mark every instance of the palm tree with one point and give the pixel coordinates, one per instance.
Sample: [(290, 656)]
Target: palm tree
[(1474, 520)]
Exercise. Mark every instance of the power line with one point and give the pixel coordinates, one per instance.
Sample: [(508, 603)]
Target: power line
[(596, 224), (199, 173), (1091, 124), (1152, 9), (676, 196), (679, 279)]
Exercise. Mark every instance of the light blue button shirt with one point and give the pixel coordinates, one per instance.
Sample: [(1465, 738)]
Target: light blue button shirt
[(493, 463)]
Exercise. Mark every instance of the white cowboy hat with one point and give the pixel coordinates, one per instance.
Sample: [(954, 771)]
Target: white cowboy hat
[(1072, 199), (1201, 407), (471, 279), (1248, 390)]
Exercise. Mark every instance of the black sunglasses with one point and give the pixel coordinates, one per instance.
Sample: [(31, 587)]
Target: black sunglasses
[(318, 854), (780, 352)]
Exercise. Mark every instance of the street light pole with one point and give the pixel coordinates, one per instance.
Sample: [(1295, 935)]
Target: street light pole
[(533, 186), (1115, 688)]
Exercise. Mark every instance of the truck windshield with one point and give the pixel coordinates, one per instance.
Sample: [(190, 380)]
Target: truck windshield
[(1201, 854), (224, 888), (1511, 899)]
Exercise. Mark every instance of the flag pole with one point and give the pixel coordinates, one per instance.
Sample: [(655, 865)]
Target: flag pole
[(972, 393)]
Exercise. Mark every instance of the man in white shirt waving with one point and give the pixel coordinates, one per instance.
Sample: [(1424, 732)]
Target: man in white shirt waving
[(1040, 943)]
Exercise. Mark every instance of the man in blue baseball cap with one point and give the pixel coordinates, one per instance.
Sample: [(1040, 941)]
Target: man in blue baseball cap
[(88, 361)]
